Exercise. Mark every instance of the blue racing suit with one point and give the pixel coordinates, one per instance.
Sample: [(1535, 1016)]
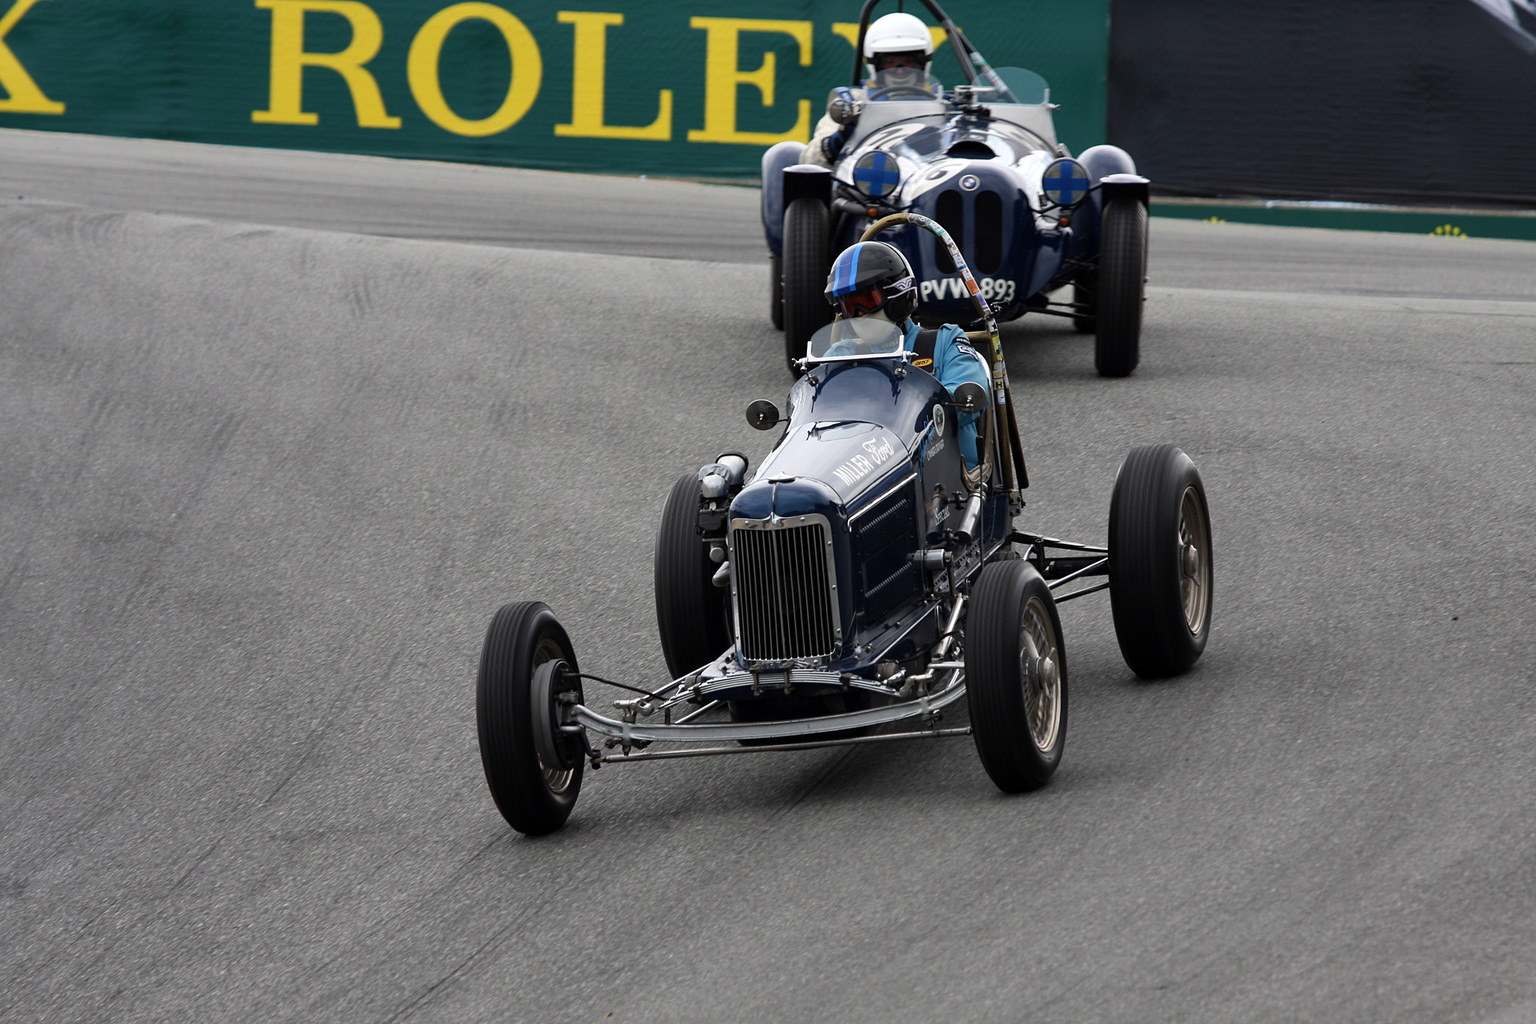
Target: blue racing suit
[(954, 363)]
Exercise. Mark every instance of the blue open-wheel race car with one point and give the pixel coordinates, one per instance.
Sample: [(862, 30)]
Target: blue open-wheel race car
[(862, 581), (983, 160)]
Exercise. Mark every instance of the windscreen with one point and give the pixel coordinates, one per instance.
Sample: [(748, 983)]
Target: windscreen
[(859, 338), (902, 84), (1012, 85)]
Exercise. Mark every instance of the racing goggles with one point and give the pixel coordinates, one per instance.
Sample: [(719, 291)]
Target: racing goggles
[(868, 301), (862, 302)]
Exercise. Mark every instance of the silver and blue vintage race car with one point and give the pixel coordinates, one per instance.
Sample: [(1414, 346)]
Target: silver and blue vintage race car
[(983, 160), (862, 581)]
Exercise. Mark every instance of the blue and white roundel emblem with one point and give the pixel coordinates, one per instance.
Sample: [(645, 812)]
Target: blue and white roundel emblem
[(970, 182), (876, 175), (1065, 182)]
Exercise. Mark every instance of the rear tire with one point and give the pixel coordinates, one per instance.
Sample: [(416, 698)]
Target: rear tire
[(806, 265), (1121, 287), (1016, 676), (776, 292), (534, 796), (690, 609), (1160, 578)]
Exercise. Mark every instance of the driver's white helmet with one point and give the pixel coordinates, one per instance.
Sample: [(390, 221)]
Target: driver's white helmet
[(898, 33)]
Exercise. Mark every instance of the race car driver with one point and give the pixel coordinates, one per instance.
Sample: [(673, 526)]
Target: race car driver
[(898, 49), (873, 279)]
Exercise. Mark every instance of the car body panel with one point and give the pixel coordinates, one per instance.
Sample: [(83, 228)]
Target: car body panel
[(870, 454), (978, 170)]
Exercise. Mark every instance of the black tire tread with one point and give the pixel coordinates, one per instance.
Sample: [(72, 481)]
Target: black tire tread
[(806, 265), (998, 723), (504, 717), (690, 609), (1144, 592), (1120, 286)]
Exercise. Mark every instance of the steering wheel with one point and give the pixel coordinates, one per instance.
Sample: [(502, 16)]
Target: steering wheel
[(892, 91)]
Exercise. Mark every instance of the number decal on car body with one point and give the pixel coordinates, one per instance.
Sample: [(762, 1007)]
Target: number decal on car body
[(993, 289), (997, 289)]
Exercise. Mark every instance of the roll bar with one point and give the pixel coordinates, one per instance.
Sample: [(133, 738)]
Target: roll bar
[(1004, 441), (972, 64)]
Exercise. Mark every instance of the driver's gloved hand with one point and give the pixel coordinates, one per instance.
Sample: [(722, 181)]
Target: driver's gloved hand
[(843, 106), (833, 144)]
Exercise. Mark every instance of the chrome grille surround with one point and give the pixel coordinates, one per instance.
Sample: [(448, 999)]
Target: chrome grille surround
[(784, 589)]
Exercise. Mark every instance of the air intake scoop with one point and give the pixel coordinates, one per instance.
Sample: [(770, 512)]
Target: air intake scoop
[(970, 149)]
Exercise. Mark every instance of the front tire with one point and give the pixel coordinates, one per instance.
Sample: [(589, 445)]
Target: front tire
[(1161, 575), (1016, 676), (535, 796), (1121, 281), (690, 609), (806, 231)]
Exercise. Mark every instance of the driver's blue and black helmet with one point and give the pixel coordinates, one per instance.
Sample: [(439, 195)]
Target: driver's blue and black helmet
[(870, 276)]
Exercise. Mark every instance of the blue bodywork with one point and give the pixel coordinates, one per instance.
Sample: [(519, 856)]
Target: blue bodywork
[(977, 169), (866, 450)]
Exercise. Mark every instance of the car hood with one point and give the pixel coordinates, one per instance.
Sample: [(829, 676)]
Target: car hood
[(847, 455)]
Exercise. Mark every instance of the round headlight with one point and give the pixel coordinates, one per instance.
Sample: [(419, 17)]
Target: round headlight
[(1065, 182), (876, 174)]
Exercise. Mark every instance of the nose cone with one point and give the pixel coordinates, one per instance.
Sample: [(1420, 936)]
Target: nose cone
[(785, 497)]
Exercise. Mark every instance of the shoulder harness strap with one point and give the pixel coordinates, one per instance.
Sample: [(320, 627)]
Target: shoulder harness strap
[(922, 349)]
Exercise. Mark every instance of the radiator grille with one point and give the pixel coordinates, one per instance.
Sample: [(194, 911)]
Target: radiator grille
[(988, 236), (949, 212), (786, 606), (985, 237)]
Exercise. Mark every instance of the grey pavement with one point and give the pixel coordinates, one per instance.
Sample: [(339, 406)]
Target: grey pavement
[(264, 481)]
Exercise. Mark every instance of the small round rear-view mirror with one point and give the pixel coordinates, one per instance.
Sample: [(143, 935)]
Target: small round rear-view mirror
[(763, 414), (969, 397)]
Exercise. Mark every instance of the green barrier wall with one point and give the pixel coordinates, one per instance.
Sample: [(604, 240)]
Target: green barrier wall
[(1441, 222), (684, 87)]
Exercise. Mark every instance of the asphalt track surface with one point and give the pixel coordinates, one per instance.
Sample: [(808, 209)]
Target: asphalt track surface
[(267, 473)]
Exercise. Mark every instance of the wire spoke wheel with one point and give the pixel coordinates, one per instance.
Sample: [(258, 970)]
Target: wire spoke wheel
[(1039, 670), (1016, 676)]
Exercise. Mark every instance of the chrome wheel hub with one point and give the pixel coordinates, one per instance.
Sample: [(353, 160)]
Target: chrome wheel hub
[(1041, 674), (556, 778), (1194, 561), (1045, 671)]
